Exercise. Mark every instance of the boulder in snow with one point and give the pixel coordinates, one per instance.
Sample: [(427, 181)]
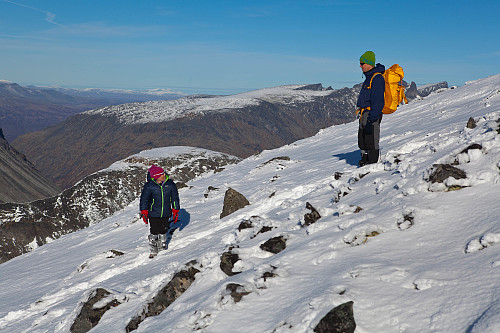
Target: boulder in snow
[(274, 245), (311, 217), (233, 201), (340, 320)]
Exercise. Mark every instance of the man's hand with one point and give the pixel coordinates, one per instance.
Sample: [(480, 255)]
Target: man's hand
[(368, 128)]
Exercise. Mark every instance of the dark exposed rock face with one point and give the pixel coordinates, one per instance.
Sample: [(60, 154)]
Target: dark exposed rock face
[(412, 91), (236, 291), (312, 216), (428, 89), (94, 198), (471, 123), (441, 172), (274, 245), (339, 320), (166, 296), (85, 143), (20, 181), (89, 316), (227, 261), (233, 201)]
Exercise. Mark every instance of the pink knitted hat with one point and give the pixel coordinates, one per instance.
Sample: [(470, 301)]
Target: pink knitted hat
[(156, 171)]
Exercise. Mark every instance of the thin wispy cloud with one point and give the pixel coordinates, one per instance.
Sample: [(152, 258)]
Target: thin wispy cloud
[(49, 16)]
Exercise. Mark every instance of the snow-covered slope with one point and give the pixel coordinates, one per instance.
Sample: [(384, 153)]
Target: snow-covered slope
[(158, 111), (411, 255)]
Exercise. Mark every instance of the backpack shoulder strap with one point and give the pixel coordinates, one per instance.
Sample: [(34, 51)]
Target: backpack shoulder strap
[(371, 80)]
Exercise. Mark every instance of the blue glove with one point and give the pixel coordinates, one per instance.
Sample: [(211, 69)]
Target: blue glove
[(368, 128)]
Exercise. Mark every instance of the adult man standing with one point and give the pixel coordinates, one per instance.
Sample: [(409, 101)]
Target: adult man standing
[(370, 104), (159, 201)]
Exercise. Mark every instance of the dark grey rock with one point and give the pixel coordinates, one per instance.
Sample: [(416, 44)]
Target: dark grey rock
[(441, 172), (312, 217), (166, 296), (412, 91), (233, 201), (89, 317), (237, 291), (472, 146), (471, 123), (339, 320), (428, 89), (227, 261), (274, 245)]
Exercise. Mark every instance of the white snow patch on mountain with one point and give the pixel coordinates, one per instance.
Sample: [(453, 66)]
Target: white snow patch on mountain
[(411, 255), (159, 111)]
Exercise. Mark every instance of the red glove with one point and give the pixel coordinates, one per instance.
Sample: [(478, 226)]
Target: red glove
[(175, 215), (144, 215)]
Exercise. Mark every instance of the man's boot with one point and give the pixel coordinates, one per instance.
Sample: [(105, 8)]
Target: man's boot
[(364, 158)]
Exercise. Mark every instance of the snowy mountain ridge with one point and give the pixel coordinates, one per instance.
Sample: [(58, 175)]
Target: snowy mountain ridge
[(26, 226), (411, 252), (158, 111)]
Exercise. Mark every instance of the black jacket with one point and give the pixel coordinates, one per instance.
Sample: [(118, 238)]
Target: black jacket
[(374, 97)]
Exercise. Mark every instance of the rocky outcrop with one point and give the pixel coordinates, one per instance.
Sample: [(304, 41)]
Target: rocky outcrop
[(166, 296), (441, 172), (90, 315), (426, 90), (312, 216), (20, 181), (413, 91)]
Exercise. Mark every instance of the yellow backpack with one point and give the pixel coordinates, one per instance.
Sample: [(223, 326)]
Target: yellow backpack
[(394, 90)]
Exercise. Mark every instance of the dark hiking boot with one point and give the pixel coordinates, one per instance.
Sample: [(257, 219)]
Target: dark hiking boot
[(363, 160)]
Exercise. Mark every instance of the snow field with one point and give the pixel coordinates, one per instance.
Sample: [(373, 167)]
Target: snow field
[(413, 256)]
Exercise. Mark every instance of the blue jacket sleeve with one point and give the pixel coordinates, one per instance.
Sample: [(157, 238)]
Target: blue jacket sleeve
[(175, 202), (377, 98), (145, 195)]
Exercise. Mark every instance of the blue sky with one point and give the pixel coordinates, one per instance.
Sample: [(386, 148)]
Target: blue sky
[(227, 47)]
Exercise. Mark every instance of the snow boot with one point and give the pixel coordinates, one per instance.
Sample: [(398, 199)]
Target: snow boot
[(153, 245), (163, 245), (364, 158)]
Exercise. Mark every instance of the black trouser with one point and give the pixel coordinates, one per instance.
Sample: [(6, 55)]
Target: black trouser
[(369, 143), (158, 225)]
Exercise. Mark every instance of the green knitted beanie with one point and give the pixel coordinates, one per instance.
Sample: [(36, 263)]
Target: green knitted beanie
[(368, 58)]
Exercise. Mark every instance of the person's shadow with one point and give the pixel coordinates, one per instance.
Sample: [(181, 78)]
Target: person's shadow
[(351, 158), (182, 222)]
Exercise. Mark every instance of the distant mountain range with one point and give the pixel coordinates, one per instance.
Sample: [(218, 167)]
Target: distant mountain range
[(240, 125), (26, 109)]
